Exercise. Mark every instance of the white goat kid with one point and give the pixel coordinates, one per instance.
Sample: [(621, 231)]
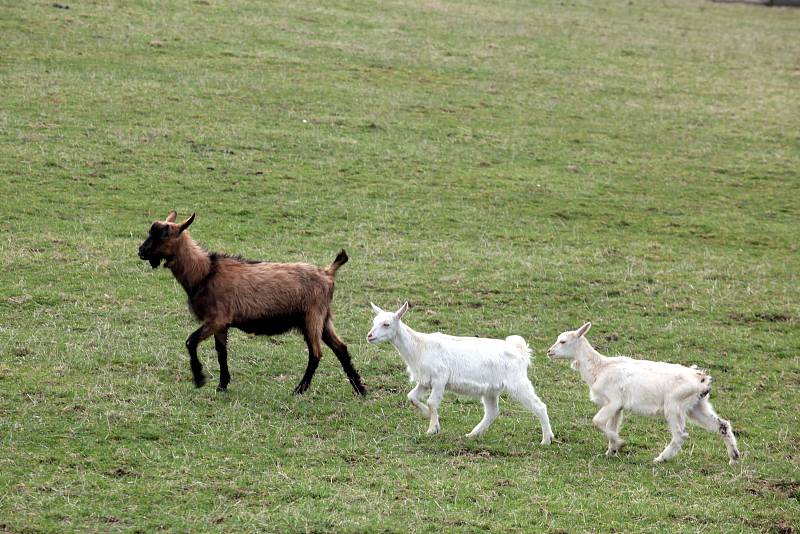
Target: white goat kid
[(474, 367), (645, 387)]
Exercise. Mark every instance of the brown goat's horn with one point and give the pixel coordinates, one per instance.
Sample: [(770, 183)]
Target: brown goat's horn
[(185, 224)]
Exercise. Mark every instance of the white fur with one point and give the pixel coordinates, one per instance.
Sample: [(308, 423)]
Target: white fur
[(671, 391), (474, 367)]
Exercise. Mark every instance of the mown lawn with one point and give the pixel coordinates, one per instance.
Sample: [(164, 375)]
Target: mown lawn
[(507, 167)]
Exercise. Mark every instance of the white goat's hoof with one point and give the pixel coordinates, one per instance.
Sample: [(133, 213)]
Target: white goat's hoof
[(547, 440), (659, 460), (433, 430), (613, 450), (473, 434)]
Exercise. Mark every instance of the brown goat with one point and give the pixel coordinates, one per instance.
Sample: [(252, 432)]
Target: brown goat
[(261, 298)]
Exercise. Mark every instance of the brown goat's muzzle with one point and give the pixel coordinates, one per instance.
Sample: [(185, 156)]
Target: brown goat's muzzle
[(146, 254)]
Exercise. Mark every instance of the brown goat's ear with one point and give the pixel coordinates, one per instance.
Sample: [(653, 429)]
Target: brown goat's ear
[(582, 330), (402, 311), (171, 216), (185, 224)]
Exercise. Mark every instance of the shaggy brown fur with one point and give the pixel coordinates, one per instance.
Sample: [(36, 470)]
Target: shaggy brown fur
[(260, 298)]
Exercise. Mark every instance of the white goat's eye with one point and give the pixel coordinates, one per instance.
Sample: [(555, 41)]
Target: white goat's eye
[(563, 341), (385, 324)]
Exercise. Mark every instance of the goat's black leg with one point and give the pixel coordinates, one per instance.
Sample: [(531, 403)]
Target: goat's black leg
[(340, 350), (221, 344), (191, 345), (314, 355)]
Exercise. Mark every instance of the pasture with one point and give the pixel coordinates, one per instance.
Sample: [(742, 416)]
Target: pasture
[(506, 167)]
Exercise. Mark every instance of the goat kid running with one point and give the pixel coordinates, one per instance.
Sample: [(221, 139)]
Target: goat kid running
[(619, 383), (470, 366)]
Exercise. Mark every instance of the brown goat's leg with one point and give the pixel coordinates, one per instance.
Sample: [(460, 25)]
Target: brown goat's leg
[(312, 337), (314, 355), (221, 344), (340, 350), (191, 345)]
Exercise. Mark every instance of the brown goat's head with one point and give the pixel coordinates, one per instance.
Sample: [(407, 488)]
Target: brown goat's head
[(162, 240)]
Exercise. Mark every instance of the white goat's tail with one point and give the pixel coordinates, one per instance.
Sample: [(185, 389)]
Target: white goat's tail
[(521, 347), (705, 380)]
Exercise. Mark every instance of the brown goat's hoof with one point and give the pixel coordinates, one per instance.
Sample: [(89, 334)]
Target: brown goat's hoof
[(300, 389), (222, 388), (200, 382)]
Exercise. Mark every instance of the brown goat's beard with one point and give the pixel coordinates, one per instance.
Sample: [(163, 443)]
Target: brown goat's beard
[(155, 262)]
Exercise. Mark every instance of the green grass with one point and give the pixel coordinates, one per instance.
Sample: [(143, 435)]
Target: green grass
[(507, 167)]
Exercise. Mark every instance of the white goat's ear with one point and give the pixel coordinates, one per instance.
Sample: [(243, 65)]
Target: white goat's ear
[(376, 310), (582, 330), (171, 216), (402, 311)]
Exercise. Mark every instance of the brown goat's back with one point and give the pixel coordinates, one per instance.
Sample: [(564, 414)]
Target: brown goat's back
[(244, 292)]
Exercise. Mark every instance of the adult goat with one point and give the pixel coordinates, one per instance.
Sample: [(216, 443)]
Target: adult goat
[(257, 297)]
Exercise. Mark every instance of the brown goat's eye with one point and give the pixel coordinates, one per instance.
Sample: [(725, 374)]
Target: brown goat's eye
[(159, 232)]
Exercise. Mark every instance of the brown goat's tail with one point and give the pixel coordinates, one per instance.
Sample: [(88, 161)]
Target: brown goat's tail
[(340, 260)]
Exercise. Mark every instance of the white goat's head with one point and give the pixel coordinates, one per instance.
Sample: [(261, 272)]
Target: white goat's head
[(567, 343), (384, 325)]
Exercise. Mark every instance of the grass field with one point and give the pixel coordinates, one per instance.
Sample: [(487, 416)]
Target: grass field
[(507, 167)]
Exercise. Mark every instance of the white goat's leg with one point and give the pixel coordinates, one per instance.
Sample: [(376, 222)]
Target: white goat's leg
[(704, 415), (490, 410), (677, 426), (601, 420), (615, 421), (435, 398), (613, 425), (526, 395), (415, 396)]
